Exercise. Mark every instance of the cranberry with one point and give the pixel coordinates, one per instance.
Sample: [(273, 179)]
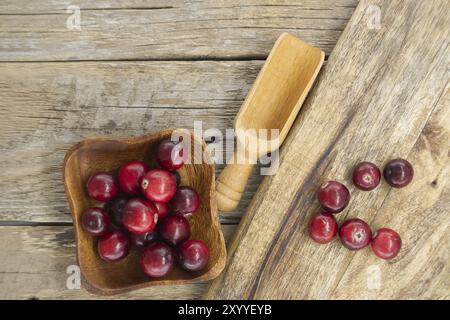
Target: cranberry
[(130, 177), (185, 201), (170, 155), (162, 208), (386, 243), (141, 240), (366, 176), (175, 230), (95, 221), (115, 209), (157, 259), (139, 216), (323, 227), (177, 177), (102, 187), (398, 173), (113, 246), (193, 255), (158, 185), (333, 196), (355, 234)]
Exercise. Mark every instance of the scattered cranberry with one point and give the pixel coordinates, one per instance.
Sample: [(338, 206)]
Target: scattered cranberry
[(163, 209), (130, 177), (102, 187), (139, 216), (386, 243), (398, 173), (193, 255), (177, 177), (157, 260), (366, 176), (185, 202), (95, 221), (333, 196), (170, 155), (355, 234), (323, 227), (141, 240), (175, 230), (158, 185), (115, 209), (113, 246)]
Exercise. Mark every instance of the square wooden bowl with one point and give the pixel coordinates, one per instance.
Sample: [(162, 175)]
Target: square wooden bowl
[(102, 154)]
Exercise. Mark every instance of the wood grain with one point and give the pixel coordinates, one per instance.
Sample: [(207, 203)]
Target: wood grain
[(383, 94), (34, 266), (423, 268), (45, 108), (174, 29)]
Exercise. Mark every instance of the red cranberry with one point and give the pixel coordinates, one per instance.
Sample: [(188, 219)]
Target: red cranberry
[(185, 201), (113, 246), (102, 187), (141, 240), (95, 221), (177, 177), (115, 209), (193, 255), (158, 185), (366, 176), (170, 155), (175, 230), (130, 177), (386, 243), (355, 234), (333, 196), (398, 173), (157, 259), (139, 216), (162, 208), (323, 227)]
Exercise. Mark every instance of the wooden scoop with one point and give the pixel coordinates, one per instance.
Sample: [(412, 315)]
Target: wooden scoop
[(273, 103)]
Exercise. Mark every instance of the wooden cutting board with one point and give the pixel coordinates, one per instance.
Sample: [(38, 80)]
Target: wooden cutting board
[(384, 93)]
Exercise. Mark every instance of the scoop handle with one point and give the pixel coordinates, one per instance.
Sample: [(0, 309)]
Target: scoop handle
[(231, 184)]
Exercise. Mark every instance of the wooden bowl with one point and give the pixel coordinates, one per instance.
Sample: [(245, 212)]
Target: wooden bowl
[(102, 154)]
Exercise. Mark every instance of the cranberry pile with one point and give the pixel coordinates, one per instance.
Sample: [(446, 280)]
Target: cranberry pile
[(356, 234), (146, 208)]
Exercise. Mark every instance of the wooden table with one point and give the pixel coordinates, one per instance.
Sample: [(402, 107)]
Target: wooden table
[(132, 67)]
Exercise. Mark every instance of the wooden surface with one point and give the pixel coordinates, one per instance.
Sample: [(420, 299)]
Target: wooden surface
[(136, 66), (34, 265), (46, 107), (170, 29), (384, 93), (160, 67)]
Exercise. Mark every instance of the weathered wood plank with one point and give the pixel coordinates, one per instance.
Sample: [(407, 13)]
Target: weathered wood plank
[(35, 261), (46, 107), (116, 30), (421, 216), (383, 94)]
